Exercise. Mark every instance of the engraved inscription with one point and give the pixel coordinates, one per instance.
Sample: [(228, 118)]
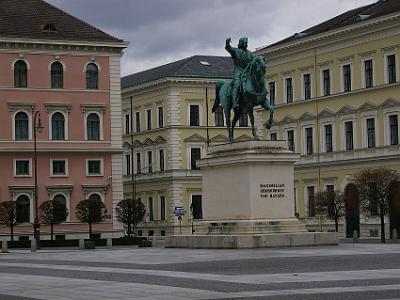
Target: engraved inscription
[(272, 190)]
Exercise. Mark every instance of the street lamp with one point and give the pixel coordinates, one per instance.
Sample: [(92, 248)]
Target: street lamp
[(37, 127)]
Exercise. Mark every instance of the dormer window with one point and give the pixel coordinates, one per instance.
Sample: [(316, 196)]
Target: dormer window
[(48, 27)]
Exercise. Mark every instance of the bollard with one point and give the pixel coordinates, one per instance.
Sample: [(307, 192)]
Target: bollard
[(81, 244), (394, 234), (109, 243), (4, 247), (33, 245), (355, 236)]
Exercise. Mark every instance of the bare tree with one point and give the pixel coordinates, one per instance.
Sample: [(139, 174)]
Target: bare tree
[(8, 215), (52, 212), (374, 187), (130, 213), (91, 211), (331, 204)]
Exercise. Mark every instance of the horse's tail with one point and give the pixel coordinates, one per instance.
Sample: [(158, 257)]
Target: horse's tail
[(217, 101)]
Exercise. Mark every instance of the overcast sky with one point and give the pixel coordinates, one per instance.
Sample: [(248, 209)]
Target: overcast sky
[(162, 31)]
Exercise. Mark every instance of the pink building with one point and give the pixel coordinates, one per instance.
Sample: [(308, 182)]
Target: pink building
[(67, 73)]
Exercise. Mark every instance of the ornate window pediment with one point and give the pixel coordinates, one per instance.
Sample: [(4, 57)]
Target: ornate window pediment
[(391, 102), (326, 113), (288, 120), (14, 106), (307, 117), (368, 106), (219, 139), (195, 138), (347, 109)]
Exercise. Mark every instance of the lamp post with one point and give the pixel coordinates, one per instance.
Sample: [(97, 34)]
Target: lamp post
[(37, 127)]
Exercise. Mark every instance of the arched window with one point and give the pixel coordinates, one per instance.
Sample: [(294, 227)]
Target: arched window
[(20, 74), (23, 209), (58, 126), (57, 75), (21, 126), (93, 127), (95, 197), (92, 76), (61, 199)]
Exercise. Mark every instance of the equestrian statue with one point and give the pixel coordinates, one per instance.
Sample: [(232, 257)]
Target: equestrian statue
[(246, 90)]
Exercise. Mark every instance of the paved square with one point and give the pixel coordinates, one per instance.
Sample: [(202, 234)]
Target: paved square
[(348, 271)]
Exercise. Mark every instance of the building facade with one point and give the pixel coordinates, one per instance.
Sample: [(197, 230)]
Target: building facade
[(63, 76), (168, 125), (336, 90)]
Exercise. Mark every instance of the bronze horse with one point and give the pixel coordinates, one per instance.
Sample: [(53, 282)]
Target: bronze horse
[(252, 93)]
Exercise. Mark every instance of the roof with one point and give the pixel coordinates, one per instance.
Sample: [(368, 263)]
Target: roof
[(37, 19), (351, 17), (194, 66)]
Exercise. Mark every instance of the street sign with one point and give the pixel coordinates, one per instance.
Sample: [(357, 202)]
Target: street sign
[(179, 211)]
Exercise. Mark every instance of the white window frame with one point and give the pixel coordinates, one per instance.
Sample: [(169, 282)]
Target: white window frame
[(342, 77), (30, 197), (268, 82), (198, 103), (306, 197), (303, 91), (137, 113), (386, 125), (136, 169), (146, 167), (159, 159), (66, 167), (191, 194), (285, 89), (158, 116), (125, 169), (343, 119), (29, 123), (272, 131), (101, 124), (65, 125), (148, 206), (15, 167), (101, 194), (189, 153), (321, 76), (363, 71), (288, 128), (127, 130), (322, 136), (385, 65), (67, 203), (146, 118), (305, 125), (160, 208), (371, 114), (101, 167)]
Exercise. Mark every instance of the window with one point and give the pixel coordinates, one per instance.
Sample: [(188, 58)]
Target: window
[(311, 201), (20, 74), (58, 126), (138, 164), (150, 208), (21, 126), (328, 138), (127, 124), (137, 121), (347, 78), (23, 209), (273, 136), (391, 68), (368, 73), (194, 112), (243, 120), (348, 128), (22, 167), (326, 78), (219, 116), (93, 127), (197, 210), (92, 76), (371, 133), (309, 140), (162, 208), (61, 200), (149, 161), (128, 164), (290, 140), (94, 167), (289, 90), (57, 75), (195, 154), (58, 167), (160, 117), (272, 92), (148, 120), (307, 86), (95, 197), (394, 130), (161, 156)]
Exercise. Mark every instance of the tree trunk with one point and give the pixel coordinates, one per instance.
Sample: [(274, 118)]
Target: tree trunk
[(336, 224), (12, 232), (90, 230), (382, 227), (51, 230), (129, 229)]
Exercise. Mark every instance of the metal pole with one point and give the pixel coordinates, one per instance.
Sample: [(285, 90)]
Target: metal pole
[(208, 136), (36, 224), (132, 200)]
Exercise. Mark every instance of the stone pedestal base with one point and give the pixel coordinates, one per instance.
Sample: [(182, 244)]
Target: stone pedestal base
[(252, 241)]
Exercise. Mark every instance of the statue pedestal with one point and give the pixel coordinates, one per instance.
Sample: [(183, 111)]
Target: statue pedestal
[(248, 200)]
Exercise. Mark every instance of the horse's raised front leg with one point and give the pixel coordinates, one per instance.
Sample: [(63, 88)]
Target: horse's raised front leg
[(228, 124), (236, 116), (253, 128)]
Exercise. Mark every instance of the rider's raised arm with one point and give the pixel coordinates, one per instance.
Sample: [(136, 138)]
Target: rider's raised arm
[(228, 47)]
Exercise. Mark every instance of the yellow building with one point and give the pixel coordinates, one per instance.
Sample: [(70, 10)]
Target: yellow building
[(166, 129), (337, 95)]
